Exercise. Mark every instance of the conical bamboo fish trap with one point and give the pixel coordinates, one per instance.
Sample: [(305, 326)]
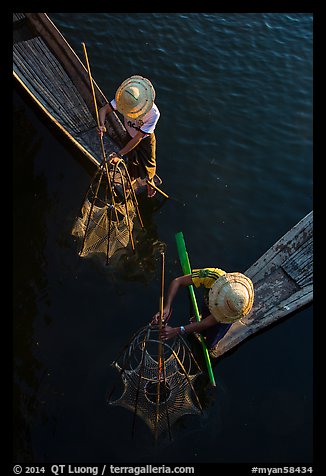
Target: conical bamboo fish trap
[(108, 212), (161, 397)]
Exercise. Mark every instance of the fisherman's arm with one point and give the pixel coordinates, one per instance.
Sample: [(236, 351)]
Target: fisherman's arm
[(176, 283), (114, 157), (132, 143), (169, 332), (103, 111)]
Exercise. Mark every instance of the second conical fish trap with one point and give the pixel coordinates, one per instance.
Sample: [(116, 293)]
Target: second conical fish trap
[(108, 212), (158, 384)]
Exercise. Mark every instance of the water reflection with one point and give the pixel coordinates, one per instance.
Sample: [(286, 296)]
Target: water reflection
[(140, 265)]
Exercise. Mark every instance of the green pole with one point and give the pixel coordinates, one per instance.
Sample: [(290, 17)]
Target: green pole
[(185, 265)]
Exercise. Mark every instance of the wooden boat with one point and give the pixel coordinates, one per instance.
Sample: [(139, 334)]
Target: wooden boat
[(52, 74), (49, 70), (283, 283), (46, 66)]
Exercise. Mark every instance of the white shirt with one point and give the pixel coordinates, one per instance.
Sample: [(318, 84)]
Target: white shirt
[(145, 124)]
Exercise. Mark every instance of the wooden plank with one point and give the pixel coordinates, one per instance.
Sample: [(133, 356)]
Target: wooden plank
[(21, 30), (300, 264), (76, 70), (52, 85), (283, 283), (37, 85), (56, 79), (91, 141), (73, 139), (240, 331), (281, 250), (18, 16)]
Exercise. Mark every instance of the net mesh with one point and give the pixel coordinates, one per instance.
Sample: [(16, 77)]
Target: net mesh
[(107, 214), (158, 397)]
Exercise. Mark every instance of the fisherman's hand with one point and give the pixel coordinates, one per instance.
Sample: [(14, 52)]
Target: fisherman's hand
[(166, 314), (114, 158), (169, 332), (101, 130)]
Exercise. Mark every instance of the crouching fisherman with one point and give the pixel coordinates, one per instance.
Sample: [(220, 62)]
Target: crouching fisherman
[(227, 298), (134, 99)]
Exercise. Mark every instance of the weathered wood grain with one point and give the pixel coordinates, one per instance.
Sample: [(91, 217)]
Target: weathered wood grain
[(283, 283)]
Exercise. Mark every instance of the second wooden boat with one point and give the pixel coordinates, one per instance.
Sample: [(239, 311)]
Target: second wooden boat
[(283, 283)]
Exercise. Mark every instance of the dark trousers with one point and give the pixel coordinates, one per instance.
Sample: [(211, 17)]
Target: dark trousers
[(142, 159), (215, 333)]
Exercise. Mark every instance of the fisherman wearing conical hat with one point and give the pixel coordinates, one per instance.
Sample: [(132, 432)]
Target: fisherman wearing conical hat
[(228, 297), (134, 99)]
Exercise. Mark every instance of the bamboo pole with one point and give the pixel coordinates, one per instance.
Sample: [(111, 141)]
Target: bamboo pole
[(160, 360), (98, 124), (134, 198), (185, 265), (151, 184), (126, 206)]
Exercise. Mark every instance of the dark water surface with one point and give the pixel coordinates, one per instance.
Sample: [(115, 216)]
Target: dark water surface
[(235, 148)]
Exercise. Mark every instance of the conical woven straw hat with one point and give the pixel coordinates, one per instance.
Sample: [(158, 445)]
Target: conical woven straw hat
[(231, 297), (135, 97)]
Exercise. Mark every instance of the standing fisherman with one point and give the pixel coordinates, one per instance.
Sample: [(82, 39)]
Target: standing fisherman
[(227, 298), (134, 99)]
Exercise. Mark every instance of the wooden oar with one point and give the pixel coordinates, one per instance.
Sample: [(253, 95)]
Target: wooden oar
[(185, 265), (151, 184), (155, 187)]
